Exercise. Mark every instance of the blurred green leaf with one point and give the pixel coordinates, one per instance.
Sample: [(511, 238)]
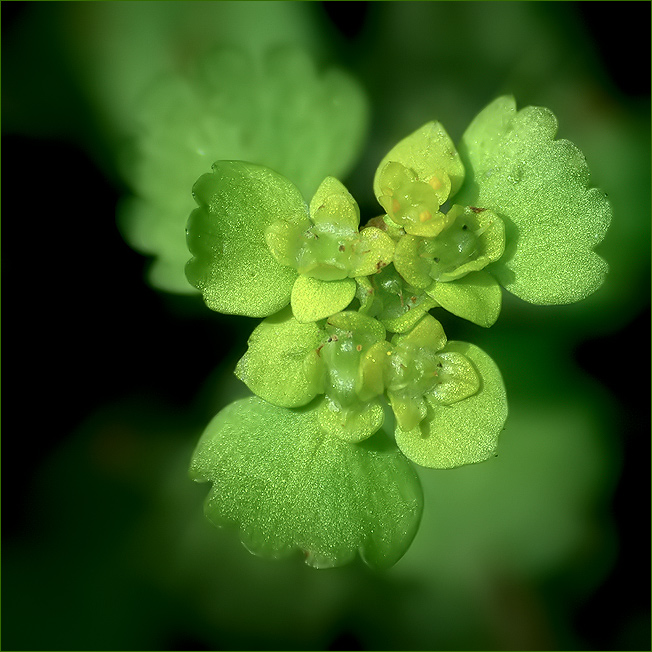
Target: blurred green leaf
[(278, 111), (287, 486)]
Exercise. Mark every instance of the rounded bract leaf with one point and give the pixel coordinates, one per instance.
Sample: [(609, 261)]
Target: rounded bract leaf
[(466, 431), (373, 251), (354, 423), (539, 187), (476, 297), (287, 486), (476, 238), (334, 204), (430, 153), (410, 264), (364, 326), (428, 333), (313, 299), (232, 265), (277, 363), (371, 373), (457, 377)]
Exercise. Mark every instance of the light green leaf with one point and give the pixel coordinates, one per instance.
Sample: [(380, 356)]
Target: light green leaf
[(276, 110), (371, 373), (232, 265), (287, 486), (409, 262), (313, 299), (464, 432), (539, 187), (334, 205), (478, 238), (278, 365), (458, 379), (430, 152), (362, 325), (354, 423), (419, 306), (476, 297), (409, 409), (428, 333), (372, 252)]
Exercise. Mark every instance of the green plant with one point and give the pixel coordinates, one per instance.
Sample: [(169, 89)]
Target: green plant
[(354, 379)]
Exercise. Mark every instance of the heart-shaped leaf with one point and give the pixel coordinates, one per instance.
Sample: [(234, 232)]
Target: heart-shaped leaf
[(464, 432), (232, 265), (288, 486), (539, 187)]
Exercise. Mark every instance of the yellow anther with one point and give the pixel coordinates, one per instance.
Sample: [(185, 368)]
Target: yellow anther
[(424, 216), (435, 183)]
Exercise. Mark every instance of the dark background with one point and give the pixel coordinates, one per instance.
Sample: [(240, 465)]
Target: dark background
[(104, 385)]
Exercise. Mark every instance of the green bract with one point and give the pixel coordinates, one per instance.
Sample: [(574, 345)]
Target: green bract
[(303, 464), (288, 486), (293, 379)]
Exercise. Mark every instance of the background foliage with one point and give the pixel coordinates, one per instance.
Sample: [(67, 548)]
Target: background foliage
[(105, 545)]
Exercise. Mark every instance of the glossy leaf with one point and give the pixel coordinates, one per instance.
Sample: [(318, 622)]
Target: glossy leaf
[(276, 110), (232, 265), (287, 486), (539, 186), (464, 432), (276, 365)]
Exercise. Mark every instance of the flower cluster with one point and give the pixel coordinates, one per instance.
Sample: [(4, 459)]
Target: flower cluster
[(347, 338), (358, 326)]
